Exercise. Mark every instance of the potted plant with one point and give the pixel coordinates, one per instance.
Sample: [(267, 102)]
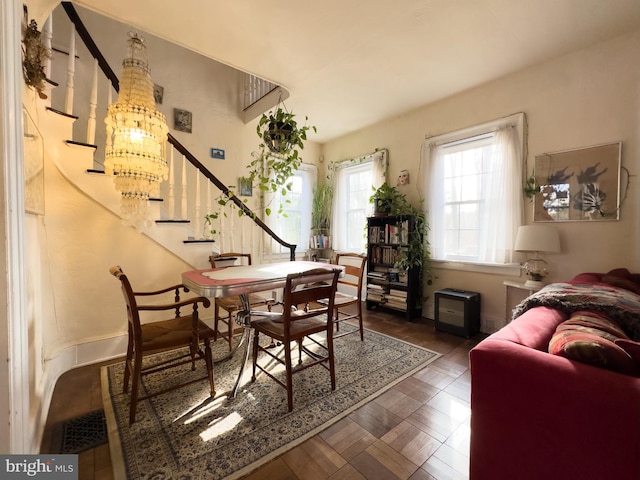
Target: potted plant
[(34, 56), (383, 199), (278, 155), (321, 206), (416, 254), (530, 188)]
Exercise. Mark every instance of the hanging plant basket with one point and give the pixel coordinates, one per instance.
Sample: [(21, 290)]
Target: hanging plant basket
[(277, 137)]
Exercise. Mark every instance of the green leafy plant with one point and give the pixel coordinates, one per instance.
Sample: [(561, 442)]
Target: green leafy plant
[(222, 201), (278, 155), (321, 207), (417, 253), (34, 56), (530, 189)]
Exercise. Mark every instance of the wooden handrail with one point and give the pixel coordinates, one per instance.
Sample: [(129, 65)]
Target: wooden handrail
[(84, 35)]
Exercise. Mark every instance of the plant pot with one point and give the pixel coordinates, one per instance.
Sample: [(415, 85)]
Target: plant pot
[(381, 207), (277, 137)]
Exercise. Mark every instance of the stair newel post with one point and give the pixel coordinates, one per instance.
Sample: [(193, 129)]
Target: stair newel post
[(71, 70), (183, 197), (47, 34), (93, 104), (171, 199), (197, 228)]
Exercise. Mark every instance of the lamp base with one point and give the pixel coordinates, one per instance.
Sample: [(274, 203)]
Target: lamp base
[(533, 284)]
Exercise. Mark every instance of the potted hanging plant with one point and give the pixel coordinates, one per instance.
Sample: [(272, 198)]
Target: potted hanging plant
[(34, 56), (278, 155)]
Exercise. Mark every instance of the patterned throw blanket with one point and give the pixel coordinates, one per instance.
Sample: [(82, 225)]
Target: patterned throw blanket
[(621, 305)]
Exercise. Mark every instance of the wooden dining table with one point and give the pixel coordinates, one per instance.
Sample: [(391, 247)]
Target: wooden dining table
[(243, 280)]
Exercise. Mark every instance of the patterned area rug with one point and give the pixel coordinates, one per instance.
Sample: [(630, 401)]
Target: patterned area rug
[(185, 434)]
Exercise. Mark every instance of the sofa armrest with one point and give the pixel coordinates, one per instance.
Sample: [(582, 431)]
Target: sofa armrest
[(535, 415)]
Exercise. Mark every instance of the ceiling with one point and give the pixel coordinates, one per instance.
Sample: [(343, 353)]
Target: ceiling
[(349, 64)]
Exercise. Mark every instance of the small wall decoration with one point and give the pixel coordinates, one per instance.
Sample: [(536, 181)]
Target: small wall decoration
[(182, 120), (158, 93), (578, 185), (244, 186), (403, 178), (217, 153)]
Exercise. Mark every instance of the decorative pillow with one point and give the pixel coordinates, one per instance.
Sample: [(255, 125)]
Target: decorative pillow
[(589, 337), (621, 278), (597, 323)]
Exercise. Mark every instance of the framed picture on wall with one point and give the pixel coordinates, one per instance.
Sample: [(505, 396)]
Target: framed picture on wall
[(578, 185), (182, 120), (245, 187)]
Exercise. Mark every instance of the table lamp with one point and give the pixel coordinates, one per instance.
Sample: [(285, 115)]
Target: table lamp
[(538, 239)]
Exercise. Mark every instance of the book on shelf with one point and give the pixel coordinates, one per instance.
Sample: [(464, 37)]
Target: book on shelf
[(398, 293), (378, 276), (394, 304), (320, 241), (375, 298)]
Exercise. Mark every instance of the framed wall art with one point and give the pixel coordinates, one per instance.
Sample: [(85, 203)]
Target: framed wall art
[(182, 120), (245, 187), (578, 185)]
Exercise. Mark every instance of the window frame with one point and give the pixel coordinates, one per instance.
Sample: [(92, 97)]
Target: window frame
[(306, 170), (518, 121), (377, 163)]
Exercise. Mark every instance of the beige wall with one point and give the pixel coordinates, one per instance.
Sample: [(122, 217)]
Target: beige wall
[(586, 98)]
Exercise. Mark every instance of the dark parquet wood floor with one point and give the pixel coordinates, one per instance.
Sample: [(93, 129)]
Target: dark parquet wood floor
[(418, 430)]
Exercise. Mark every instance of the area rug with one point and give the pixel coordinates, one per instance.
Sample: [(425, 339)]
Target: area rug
[(185, 434), (80, 433)]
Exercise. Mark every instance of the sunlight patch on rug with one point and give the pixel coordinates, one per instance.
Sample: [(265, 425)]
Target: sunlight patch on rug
[(187, 434)]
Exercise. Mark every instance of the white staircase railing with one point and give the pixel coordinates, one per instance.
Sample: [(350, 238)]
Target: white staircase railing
[(187, 196)]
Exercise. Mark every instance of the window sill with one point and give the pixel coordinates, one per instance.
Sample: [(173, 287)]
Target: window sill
[(510, 269)]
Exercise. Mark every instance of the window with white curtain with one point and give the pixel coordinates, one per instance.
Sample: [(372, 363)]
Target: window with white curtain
[(354, 181), (293, 224), (474, 187)]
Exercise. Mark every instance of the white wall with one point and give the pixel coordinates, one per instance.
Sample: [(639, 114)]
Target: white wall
[(586, 98)]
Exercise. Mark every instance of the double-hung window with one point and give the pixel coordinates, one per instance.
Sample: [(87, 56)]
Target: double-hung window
[(354, 181), (293, 223), (474, 187)]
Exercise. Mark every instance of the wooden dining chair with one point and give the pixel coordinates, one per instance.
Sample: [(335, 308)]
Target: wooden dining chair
[(349, 292), (177, 333), (297, 324), (231, 305)]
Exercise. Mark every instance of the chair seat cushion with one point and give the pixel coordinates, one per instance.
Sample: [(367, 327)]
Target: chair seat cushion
[(233, 303), (341, 299), (274, 326), (173, 333)]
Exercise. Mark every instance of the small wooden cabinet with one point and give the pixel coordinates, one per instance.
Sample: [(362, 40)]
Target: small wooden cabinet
[(387, 286)]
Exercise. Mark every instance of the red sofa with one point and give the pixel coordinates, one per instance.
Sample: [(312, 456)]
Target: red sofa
[(537, 416)]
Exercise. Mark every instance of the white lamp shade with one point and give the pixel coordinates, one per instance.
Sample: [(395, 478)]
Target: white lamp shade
[(537, 238)]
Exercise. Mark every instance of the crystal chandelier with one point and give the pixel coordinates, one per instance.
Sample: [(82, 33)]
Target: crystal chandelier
[(136, 137)]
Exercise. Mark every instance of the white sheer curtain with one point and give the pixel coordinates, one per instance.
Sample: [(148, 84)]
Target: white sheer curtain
[(504, 190), (502, 215)]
